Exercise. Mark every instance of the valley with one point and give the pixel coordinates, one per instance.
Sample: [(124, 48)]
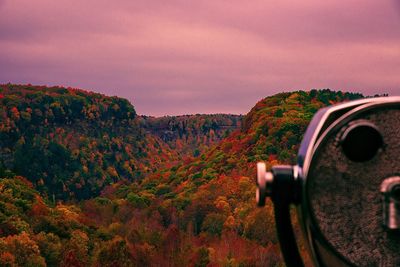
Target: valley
[(85, 181)]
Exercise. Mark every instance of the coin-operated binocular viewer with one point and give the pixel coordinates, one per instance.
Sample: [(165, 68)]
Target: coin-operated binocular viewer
[(346, 187)]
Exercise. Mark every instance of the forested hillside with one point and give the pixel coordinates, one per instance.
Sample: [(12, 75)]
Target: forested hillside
[(199, 211), (71, 143), (189, 135)]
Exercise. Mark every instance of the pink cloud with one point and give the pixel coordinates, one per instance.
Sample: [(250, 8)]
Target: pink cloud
[(201, 56)]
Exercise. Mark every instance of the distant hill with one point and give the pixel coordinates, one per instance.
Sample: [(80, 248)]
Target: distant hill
[(192, 134)]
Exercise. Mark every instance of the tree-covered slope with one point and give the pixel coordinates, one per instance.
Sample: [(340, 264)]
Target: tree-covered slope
[(70, 142)]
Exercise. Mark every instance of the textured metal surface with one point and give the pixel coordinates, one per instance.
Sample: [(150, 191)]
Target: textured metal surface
[(345, 199)]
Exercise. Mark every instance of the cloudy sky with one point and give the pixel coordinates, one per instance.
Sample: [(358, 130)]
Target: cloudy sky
[(179, 56)]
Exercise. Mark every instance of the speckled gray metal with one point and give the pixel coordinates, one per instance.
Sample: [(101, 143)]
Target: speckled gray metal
[(345, 198)]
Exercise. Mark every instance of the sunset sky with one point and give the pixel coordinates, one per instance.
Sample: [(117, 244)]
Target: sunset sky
[(183, 57)]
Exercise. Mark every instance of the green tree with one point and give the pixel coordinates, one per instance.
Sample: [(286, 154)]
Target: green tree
[(213, 224)]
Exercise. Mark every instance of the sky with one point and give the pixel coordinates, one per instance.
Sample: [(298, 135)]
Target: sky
[(218, 56)]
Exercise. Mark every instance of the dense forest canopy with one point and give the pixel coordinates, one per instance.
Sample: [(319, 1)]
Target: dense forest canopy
[(86, 181)]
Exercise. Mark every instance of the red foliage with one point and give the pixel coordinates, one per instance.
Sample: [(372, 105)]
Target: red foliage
[(39, 208), (71, 260)]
